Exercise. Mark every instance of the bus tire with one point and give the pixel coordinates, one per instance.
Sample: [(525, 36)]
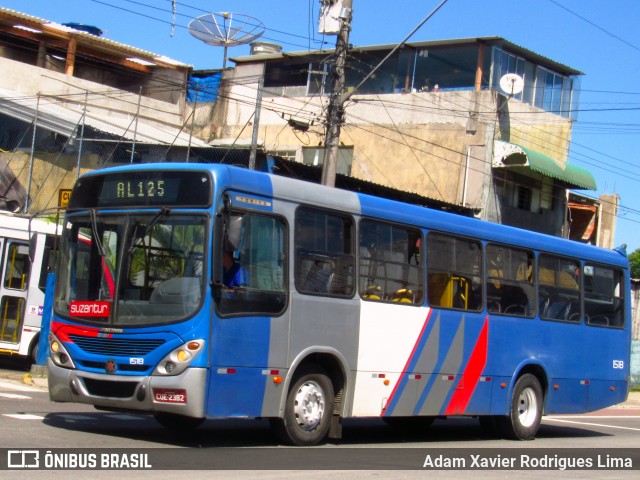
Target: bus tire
[(308, 409), (33, 354), (177, 422), (525, 415)]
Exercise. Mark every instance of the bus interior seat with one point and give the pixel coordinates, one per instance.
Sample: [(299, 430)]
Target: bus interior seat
[(372, 292), (178, 290), (515, 309), (403, 295), (557, 309), (317, 276)]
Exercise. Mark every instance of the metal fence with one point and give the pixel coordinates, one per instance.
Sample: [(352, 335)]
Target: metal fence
[(48, 141)]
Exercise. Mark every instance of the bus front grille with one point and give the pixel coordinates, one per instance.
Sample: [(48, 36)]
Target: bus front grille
[(116, 346)]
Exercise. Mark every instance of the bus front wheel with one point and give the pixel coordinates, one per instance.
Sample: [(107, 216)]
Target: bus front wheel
[(308, 409), (525, 414)]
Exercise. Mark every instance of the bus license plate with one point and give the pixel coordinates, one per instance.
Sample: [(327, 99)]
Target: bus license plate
[(169, 396)]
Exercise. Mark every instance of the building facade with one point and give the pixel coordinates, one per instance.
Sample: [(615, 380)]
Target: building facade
[(433, 119), (72, 101)]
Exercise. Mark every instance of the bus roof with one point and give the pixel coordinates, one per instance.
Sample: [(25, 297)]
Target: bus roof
[(25, 223), (391, 210)]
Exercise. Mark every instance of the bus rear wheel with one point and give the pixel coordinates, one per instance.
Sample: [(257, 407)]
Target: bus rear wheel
[(525, 415), (308, 409)]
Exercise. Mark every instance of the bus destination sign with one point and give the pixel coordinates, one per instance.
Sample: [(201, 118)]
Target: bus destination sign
[(143, 188)]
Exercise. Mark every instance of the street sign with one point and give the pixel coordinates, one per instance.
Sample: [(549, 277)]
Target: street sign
[(63, 197)]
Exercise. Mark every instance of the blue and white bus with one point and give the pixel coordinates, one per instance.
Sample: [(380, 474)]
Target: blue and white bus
[(347, 305)]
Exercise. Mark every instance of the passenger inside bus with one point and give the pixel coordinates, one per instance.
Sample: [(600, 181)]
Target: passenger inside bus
[(233, 275)]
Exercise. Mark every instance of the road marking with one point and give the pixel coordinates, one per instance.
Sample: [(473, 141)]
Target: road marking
[(592, 416), (18, 387), (589, 424), (23, 416), (14, 396)]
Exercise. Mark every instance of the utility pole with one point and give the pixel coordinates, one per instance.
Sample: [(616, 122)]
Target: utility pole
[(335, 111)]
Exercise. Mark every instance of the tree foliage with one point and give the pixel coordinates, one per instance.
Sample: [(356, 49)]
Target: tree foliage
[(634, 263)]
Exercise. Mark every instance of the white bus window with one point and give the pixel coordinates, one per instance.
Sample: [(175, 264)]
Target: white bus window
[(454, 272), (18, 266), (324, 260), (390, 268)]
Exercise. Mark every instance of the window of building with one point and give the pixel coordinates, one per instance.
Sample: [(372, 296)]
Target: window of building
[(543, 88), (524, 192), (315, 156), (454, 272), (603, 302), (510, 282), (524, 196), (281, 74), (286, 154), (559, 288), (324, 259), (390, 268)]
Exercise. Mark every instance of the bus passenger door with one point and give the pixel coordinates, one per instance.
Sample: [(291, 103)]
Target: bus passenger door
[(16, 268)]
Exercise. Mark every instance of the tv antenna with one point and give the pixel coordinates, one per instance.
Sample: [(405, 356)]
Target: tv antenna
[(226, 30), (511, 84)]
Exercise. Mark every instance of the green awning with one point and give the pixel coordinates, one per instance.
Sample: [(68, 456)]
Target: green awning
[(510, 155)]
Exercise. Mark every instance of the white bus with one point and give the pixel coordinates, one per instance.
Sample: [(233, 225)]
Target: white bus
[(26, 257)]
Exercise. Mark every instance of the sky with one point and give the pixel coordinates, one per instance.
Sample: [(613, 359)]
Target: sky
[(600, 38)]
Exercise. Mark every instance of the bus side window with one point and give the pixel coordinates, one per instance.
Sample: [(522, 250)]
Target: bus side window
[(390, 268), (509, 282), (558, 288), (454, 272), (324, 260), (18, 267), (256, 284)]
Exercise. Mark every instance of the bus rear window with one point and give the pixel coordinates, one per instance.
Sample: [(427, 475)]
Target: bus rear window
[(603, 301)]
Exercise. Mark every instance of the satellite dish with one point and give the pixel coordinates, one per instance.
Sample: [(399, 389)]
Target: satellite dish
[(511, 84), (226, 29)]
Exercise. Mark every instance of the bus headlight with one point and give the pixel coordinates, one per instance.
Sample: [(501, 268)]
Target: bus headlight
[(180, 358), (59, 354)]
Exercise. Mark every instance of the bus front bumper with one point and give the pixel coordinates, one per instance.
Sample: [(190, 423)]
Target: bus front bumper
[(182, 394)]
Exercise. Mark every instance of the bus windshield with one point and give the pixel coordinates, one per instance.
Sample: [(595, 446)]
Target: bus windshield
[(131, 269)]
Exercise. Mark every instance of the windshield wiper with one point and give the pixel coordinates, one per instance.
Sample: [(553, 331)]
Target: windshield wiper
[(96, 237), (135, 238)]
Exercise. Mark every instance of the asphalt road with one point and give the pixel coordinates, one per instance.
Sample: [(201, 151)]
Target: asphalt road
[(247, 448)]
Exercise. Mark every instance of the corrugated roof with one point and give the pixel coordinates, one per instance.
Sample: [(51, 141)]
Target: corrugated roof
[(510, 155), (63, 120), (85, 38)]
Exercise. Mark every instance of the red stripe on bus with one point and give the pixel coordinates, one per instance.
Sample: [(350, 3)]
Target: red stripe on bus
[(62, 331), (406, 365), (471, 375)]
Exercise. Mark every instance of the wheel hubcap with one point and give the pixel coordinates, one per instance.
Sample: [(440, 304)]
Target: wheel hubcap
[(527, 407), (309, 405)]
